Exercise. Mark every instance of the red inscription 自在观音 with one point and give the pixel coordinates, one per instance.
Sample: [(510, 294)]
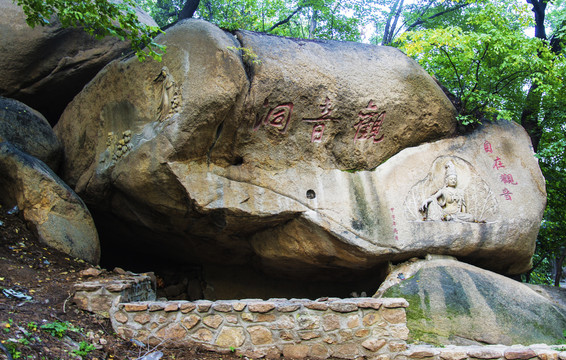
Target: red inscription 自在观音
[(498, 164), (507, 194), (278, 117), (487, 147), (508, 179), (325, 115), (370, 123)]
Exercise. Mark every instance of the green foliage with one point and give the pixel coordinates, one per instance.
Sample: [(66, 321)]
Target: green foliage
[(486, 64), (32, 326), (13, 348), (248, 54), (84, 349), (58, 328), (314, 19), (99, 18)]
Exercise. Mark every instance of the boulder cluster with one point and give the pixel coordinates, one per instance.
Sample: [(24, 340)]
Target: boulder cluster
[(317, 160)]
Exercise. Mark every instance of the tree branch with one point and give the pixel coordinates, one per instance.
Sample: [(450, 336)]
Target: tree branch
[(455, 70), (422, 21), (286, 20)]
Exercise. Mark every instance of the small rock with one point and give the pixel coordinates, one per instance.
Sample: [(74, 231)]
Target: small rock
[(121, 271), (374, 344), (90, 272), (156, 355), (262, 307), (483, 353), (524, 353)]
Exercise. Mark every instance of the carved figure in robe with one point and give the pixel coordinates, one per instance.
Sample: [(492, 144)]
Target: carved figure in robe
[(167, 92), (448, 203)]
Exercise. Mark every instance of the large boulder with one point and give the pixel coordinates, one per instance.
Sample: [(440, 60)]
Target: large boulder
[(29, 131), (47, 66), (49, 206), (307, 160), (456, 303)]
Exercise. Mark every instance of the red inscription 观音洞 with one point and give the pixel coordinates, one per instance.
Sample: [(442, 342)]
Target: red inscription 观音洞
[(369, 125), (278, 117)]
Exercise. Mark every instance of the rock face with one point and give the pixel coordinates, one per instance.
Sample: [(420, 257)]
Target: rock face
[(317, 158), (36, 61), (29, 131), (51, 208), (456, 303)]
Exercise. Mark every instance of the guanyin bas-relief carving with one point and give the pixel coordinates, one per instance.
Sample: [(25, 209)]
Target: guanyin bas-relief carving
[(452, 191)]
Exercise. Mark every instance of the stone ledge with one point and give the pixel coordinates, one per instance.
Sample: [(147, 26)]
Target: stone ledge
[(495, 352)]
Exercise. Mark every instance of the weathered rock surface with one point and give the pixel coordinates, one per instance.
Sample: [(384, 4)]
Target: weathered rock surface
[(225, 160), (456, 303), (51, 208), (46, 67), (29, 131)]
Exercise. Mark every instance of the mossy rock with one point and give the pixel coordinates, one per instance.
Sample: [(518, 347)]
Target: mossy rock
[(456, 303)]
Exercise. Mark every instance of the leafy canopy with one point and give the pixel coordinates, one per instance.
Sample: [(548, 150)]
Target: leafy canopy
[(99, 18), (487, 61)]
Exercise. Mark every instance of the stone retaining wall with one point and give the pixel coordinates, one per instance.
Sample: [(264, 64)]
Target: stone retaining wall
[(296, 328), (293, 328)]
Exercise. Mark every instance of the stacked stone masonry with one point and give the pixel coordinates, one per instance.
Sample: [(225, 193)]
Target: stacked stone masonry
[(97, 296), (296, 328)]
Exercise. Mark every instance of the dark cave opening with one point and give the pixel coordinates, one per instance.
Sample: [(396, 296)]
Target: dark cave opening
[(192, 278)]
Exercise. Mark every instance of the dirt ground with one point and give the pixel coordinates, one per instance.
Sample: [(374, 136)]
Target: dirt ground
[(37, 317)]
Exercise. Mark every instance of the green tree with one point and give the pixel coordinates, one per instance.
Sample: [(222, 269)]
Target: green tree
[(497, 71), (487, 63), (98, 18)]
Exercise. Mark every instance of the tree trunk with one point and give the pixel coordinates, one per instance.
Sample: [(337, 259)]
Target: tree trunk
[(392, 30), (558, 264), (530, 114), (313, 23), (189, 9), (388, 24)]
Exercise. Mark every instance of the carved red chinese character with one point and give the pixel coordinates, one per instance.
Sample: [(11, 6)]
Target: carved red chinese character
[(317, 132), (507, 194), (278, 117), (370, 123), (498, 164), (325, 115), (487, 147), (508, 179)]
